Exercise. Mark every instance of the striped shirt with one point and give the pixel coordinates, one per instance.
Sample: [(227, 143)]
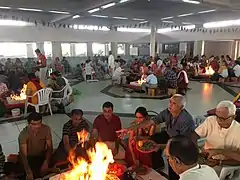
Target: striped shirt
[(71, 131), (2, 159)]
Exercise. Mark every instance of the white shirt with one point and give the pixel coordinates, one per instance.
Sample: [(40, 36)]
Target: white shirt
[(224, 73), (88, 68), (202, 172), (236, 69), (117, 73), (111, 60), (159, 63), (151, 79), (219, 138)]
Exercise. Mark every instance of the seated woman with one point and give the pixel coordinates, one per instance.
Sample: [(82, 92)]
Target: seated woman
[(223, 70), (34, 85), (133, 156), (182, 81)]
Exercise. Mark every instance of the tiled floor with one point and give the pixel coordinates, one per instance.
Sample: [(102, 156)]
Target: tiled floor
[(200, 98)]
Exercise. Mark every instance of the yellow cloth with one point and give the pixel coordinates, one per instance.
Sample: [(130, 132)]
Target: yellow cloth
[(31, 87), (236, 98)]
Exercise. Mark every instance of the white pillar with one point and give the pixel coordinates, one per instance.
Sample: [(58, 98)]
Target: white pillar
[(30, 50), (72, 50), (198, 48), (114, 48), (89, 49), (107, 49), (183, 48), (127, 49), (40, 46), (56, 50), (153, 40), (160, 47)]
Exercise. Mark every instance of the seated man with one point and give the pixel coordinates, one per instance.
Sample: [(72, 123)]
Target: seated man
[(221, 132), (178, 122), (104, 129), (57, 83), (151, 82), (117, 75), (69, 135), (182, 156), (35, 145), (170, 76), (182, 81)]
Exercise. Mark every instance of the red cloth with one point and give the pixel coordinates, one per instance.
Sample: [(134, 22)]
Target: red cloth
[(42, 60), (214, 64), (107, 129)]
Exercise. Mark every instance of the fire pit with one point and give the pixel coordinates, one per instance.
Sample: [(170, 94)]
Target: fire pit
[(18, 99), (95, 169), (137, 85), (205, 74)]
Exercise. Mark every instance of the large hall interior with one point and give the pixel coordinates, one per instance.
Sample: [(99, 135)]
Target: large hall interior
[(120, 89)]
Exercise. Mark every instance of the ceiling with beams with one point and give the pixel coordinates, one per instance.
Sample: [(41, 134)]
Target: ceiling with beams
[(122, 13)]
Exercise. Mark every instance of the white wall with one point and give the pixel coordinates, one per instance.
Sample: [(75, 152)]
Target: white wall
[(219, 48)]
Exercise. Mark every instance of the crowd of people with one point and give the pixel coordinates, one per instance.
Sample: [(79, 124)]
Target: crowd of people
[(37, 158)]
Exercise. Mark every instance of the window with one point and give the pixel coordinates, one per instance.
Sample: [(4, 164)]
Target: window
[(13, 50), (133, 50), (81, 49), (48, 48), (98, 49), (66, 49), (172, 48), (121, 49)]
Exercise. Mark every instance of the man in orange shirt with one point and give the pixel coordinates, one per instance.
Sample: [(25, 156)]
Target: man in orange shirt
[(42, 65)]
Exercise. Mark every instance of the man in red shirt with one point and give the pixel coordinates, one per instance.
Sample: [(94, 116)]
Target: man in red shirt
[(42, 65), (104, 130)]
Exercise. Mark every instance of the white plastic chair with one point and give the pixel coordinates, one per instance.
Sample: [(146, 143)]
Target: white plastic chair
[(44, 97), (67, 92), (229, 171)]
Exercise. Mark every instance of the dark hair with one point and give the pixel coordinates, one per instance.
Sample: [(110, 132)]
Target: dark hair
[(77, 112), (37, 51), (107, 105), (34, 117), (57, 73), (142, 111), (184, 149), (31, 76)]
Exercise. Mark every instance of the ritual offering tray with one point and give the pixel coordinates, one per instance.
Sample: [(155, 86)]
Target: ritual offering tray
[(146, 146)]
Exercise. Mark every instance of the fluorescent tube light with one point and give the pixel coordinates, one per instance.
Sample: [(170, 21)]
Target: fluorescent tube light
[(137, 19), (5, 7), (59, 12), (143, 22), (123, 1), (183, 15), (191, 1), (94, 10), (29, 9), (170, 17), (222, 23), (207, 11), (76, 16), (120, 18), (13, 23), (167, 21), (100, 16), (108, 5)]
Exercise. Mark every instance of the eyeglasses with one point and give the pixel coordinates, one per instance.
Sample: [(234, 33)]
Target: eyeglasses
[(224, 119)]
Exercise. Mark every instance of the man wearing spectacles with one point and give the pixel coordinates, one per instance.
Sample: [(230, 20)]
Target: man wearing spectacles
[(182, 156), (222, 136)]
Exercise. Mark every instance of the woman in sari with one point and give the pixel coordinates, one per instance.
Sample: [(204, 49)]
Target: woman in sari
[(34, 85), (133, 156)]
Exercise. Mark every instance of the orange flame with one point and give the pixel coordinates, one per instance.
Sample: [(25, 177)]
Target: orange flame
[(22, 95), (82, 136), (97, 168), (209, 70), (142, 80)]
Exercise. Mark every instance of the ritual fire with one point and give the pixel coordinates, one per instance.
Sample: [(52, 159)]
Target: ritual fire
[(209, 70), (96, 169), (142, 80), (21, 96)]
